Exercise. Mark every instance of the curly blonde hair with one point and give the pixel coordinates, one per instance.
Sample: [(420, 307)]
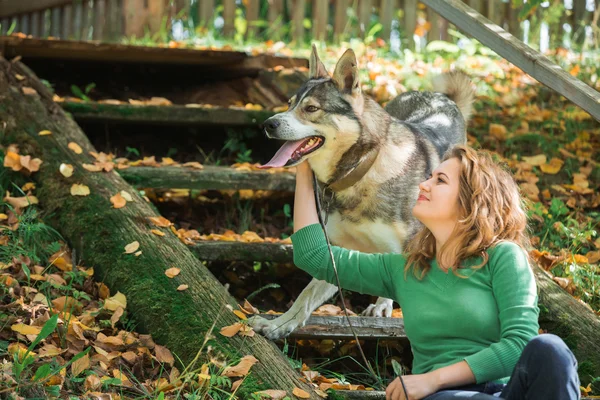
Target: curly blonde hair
[(491, 210)]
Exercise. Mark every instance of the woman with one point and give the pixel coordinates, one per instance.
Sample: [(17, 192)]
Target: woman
[(466, 289)]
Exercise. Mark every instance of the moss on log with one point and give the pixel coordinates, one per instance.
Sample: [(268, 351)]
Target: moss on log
[(241, 251), (210, 177), (99, 233)]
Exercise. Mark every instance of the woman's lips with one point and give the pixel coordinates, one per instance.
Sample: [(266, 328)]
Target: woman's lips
[(422, 198)]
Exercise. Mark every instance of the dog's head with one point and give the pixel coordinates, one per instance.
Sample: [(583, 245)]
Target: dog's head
[(322, 120)]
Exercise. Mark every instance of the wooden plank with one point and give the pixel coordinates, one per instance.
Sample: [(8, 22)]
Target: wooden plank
[(228, 17), (44, 18), (85, 20), (35, 23), (240, 251), (135, 13), (410, 21), (67, 22), (16, 7), (336, 327), (252, 10), (518, 53), (171, 115), (55, 22), (23, 26), (211, 178), (341, 18), (434, 19), (275, 17), (206, 13), (320, 19), (386, 10), (298, 21), (114, 52), (512, 19), (99, 19), (77, 19), (496, 12), (365, 9)]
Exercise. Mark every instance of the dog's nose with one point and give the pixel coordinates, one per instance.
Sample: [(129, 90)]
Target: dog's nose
[(271, 125)]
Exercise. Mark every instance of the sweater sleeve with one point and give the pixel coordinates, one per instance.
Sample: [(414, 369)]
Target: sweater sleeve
[(361, 272), (514, 288)]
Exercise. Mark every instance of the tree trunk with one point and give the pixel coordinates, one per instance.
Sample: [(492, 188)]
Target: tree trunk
[(98, 232)]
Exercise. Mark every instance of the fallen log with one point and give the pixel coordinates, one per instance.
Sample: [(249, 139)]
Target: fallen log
[(98, 233)]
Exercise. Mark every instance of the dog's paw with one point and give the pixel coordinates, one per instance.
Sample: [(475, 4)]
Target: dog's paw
[(275, 328), (382, 308)]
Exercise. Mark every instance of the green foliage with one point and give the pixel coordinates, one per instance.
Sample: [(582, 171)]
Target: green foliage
[(82, 94)]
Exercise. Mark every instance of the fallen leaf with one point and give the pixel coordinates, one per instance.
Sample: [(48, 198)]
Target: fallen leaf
[(28, 186), (182, 287), (126, 195), (79, 190), (20, 202), (272, 393), (24, 329), (160, 221), (498, 131), (300, 393), (553, 167), (44, 133), (536, 161), (32, 165), (118, 201), (242, 368), (75, 148), (231, 330), (157, 232), (163, 354), (91, 167), (132, 247), (172, 272), (66, 170), (138, 253), (116, 316), (29, 91), (80, 365), (92, 382), (240, 314), (116, 301), (12, 160)]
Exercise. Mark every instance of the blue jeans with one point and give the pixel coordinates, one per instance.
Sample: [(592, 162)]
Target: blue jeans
[(546, 370)]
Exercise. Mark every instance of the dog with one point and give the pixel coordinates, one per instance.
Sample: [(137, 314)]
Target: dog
[(372, 159)]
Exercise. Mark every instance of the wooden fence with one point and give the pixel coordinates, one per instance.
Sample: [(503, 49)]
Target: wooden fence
[(109, 20)]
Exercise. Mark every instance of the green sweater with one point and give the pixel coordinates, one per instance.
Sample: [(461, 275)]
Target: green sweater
[(485, 319)]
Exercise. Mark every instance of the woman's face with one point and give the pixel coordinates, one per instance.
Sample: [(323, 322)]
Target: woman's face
[(438, 196)]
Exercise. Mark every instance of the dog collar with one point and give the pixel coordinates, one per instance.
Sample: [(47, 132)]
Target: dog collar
[(356, 174)]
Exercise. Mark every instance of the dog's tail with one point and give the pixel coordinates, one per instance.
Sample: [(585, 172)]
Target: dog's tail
[(458, 87)]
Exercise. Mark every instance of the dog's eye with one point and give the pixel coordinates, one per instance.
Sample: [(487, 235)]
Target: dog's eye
[(310, 109)]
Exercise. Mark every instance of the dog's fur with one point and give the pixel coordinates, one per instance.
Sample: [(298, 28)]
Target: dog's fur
[(374, 214)]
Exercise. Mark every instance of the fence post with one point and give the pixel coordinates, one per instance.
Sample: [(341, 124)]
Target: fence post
[(252, 11), (365, 8), (275, 18), (434, 20), (410, 22), (298, 21), (341, 8), (67, 21), (320, 17), (514, 25), (206, 13), (55, 22), (228, 17), (386, 10)]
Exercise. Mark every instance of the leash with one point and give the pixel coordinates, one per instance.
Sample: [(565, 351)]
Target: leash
[(327, 202)]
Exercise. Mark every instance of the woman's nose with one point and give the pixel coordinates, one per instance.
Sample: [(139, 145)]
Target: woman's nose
[(424, 186)]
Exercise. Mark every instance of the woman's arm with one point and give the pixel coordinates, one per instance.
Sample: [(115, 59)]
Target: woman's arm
[(305, 209)]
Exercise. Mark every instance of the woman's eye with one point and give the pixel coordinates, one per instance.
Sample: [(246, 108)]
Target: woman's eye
[(440, 180), (311, 109)]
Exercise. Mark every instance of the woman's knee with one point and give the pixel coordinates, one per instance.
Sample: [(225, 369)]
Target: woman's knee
[(550, 348)]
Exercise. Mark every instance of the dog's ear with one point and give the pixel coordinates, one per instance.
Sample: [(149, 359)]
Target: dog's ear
[(317, 69), (346, 74)]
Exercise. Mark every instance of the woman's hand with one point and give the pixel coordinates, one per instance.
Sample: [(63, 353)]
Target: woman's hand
[(417, 387)]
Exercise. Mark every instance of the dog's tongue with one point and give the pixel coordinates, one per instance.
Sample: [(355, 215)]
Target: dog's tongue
[(283, 154)]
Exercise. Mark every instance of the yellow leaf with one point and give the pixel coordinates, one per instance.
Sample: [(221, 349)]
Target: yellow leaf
[(181, 288), (172, 272), (92, 167), (116, 301), (160, 221), (231, 330), (29, 91), (536, 161), (26, 329), (126, 195), (553, 167), (241, 369), (240, 314), (66, 170), (3, 217), (300, 393), (498, 131), (75, 148), (118, 201), (28, 186), (138, 253), (272, 394), (30, 164), (44, 133), (157, 232), (79, 190), (116, 316), (80, 365), (13, 161), (20, 202), (132, 247)]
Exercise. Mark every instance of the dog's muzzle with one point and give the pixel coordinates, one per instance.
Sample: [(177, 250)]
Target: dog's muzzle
[(271, 126)]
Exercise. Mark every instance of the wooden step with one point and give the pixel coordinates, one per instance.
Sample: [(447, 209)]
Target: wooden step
[(336, 327), (35, 48), (167, 115), (210, 177), (242, 251), (377, 395)]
